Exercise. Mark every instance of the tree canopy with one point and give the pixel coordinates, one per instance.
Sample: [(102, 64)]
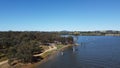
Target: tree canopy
[(23, 45)]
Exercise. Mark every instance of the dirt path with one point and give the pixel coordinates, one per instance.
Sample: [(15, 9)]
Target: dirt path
[(50, 49), (3, 62)]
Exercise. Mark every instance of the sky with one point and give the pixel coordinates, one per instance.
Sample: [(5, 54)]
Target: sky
[(58, 15)]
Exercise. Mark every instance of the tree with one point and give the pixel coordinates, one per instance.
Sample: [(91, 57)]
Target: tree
[(23, 52)]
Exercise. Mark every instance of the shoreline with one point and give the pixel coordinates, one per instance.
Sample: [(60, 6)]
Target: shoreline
[(52, 55), (48, 57)]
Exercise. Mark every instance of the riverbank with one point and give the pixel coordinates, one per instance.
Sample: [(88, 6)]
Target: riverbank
[(53, 54), (48, 54)]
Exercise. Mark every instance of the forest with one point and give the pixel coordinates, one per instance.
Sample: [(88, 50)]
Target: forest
[(18, 45)]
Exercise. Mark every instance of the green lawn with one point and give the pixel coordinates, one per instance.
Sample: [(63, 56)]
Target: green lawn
[(59, 46), (46, 54), (50, 52)]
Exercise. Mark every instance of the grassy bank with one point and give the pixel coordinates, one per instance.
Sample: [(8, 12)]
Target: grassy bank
[(59, 47)]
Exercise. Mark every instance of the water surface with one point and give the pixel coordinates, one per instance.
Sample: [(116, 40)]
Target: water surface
[(92, 52)]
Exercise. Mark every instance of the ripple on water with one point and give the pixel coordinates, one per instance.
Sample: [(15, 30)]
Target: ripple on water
[(98, 63)]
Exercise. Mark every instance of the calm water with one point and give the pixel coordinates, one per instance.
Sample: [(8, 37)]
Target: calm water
[(93, 52)]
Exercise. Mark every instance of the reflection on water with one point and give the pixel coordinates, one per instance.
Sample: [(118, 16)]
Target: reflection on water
[(92, 52)]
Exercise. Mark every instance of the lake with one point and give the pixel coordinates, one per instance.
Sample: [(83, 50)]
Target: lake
[(92, 52)]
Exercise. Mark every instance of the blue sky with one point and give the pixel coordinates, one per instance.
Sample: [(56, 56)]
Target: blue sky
[(57, 15)]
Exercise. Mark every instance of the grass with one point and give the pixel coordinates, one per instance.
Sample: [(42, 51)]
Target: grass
[(2, 55), (3, 58), (46, 54), (59, 46)]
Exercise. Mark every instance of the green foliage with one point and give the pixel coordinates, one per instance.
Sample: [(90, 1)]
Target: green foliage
[(66, 40), (23, 52), (22, 46), (59, 46)]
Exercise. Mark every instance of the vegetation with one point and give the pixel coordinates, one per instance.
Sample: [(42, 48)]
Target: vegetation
[(59, 46), (23, 52), (21, 46), (92, 33), (46, 54)]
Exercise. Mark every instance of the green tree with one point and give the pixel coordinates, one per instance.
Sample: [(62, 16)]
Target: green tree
[(24, 52)]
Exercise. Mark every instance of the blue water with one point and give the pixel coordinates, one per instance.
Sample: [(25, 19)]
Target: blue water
[(92, 52)]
